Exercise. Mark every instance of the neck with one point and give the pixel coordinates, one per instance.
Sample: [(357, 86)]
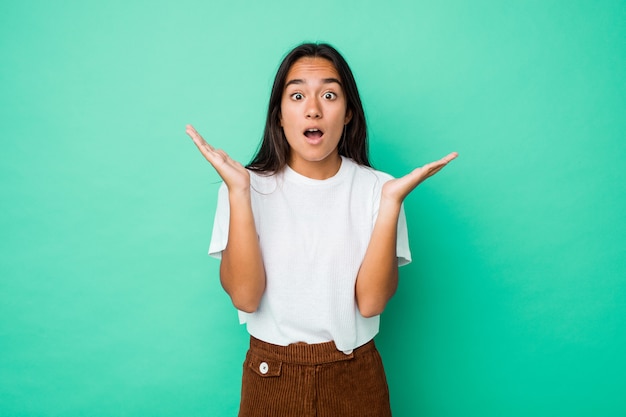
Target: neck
[(317, 170)]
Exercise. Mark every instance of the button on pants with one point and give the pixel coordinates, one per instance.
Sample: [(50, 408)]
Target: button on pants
[(317, 380)]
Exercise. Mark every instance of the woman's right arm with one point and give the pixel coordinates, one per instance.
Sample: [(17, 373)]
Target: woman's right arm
[(242, 273)]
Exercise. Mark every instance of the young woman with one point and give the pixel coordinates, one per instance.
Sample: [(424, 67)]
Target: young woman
[(310, 239)]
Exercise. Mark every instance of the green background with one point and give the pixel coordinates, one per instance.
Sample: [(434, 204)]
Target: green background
[(515, 303)]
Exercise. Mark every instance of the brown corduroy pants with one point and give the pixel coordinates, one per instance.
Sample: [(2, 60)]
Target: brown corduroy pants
[(302, 380)]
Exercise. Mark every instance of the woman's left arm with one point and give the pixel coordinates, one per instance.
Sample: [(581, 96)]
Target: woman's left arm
[(377, 279)]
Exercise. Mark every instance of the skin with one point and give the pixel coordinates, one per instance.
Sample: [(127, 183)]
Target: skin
[(243, 281), (377, 279), (313, 98)]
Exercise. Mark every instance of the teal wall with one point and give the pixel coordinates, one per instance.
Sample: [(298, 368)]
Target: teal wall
[(515, 304)]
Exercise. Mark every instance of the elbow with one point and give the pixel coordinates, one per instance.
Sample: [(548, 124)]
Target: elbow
[(246, 301), (245, 306), (245, 294), (374, 288), (368, 310), (245, 298), (373, 303)]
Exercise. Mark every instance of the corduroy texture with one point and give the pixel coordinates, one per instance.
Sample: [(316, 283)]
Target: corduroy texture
[(302, 380)]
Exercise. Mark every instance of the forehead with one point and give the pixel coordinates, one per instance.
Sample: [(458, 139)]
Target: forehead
[(310, 69)]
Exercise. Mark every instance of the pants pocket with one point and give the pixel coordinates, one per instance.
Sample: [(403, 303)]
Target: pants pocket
[(263, 367), (261, 387)]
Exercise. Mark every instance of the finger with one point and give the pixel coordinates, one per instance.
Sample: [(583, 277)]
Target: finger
[(432, 168), (449, 157), (207, 150), (435, 170), (191, 131), (193, 134), (222, 154), (436, 166), (197, 138)]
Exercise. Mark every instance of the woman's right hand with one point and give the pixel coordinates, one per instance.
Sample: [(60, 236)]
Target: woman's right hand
[(235, 175)]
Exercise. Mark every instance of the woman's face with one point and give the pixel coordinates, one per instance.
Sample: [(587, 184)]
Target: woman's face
[(313, 115)]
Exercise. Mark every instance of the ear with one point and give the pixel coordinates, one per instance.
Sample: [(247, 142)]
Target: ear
[(280, 118), (348, 117)]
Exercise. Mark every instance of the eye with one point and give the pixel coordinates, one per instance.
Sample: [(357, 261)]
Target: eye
[(297, 96), (330, 95)]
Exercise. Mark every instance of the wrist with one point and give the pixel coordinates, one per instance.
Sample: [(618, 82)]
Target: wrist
[(238, 195), (389, 210), (389, 203)]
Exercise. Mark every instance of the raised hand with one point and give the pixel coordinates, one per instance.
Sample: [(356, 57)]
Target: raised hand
[(243, 281), (396, 190), (377, 279), (232, 172)]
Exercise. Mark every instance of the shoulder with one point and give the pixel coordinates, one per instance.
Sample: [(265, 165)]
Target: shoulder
[(262, 182), (366, 173)]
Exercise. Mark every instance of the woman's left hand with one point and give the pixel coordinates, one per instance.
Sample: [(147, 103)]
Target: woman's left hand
[(397, 189)]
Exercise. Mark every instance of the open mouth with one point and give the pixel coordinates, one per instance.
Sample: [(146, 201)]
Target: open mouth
[(313, 133)]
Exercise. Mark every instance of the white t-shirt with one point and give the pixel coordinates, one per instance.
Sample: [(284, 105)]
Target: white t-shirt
[(313, 236)]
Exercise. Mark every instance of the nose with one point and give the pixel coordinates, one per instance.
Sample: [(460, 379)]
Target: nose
[(313, 110)]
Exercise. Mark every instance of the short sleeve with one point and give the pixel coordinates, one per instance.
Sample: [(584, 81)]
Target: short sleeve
[(403, 252), (219, 236)]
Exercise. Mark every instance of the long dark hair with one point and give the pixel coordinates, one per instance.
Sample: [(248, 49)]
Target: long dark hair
[(274, 150)]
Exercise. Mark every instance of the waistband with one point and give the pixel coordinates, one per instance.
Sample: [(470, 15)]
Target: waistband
[(307, 354)]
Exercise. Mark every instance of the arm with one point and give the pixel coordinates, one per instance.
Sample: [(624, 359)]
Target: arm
[(242, 273), (377, 279)]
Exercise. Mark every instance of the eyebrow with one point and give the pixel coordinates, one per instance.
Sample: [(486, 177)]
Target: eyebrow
[(324, 81)]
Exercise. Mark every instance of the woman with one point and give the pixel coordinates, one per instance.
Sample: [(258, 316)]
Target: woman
[(310, 238)]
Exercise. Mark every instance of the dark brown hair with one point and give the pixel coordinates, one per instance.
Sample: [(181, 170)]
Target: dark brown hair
[(274, 150)]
